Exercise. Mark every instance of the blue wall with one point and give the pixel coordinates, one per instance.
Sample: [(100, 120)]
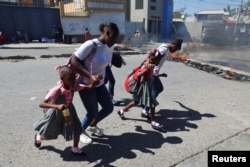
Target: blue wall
[(167, 19), (36, 22)]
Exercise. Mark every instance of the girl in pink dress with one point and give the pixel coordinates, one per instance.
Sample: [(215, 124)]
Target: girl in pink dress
[(143, 97), (57, 102)]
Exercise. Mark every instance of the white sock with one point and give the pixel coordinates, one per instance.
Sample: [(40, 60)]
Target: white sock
[(144, 112), (154, 123), (121, 111), (38, 138), (76, 150)]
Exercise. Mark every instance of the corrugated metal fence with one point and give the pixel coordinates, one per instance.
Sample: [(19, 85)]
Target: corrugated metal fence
[(36, 22)]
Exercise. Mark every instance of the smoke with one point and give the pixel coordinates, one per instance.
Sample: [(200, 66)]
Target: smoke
[(235, 56)]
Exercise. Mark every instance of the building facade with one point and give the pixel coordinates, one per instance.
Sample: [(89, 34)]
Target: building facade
[(77, 15), (150, 17), (29, 3), (156, 16)]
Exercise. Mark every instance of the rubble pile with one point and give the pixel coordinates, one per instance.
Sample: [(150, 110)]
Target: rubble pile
[(227, 73)]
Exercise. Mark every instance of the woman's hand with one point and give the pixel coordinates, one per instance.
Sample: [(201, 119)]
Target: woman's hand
[(149, 66), (95, 79)]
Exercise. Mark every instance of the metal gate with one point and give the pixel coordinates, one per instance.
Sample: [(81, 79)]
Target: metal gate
[(35, 22)]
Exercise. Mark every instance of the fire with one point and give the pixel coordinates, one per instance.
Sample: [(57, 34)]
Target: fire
[(229, 74), (178, 56)]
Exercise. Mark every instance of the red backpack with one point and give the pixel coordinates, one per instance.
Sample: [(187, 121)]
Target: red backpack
[(132, 81)]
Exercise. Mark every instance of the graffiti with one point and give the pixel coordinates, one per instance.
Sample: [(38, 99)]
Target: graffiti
[(74, 26)]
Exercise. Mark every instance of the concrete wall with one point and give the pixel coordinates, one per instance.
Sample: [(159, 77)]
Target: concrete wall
[(77, 25), (194, 30), (188, 31)]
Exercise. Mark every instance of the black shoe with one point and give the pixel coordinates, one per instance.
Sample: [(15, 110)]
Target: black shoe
[(146, 115), (36, 143), (115, 103), (121, 115), (159, 128)]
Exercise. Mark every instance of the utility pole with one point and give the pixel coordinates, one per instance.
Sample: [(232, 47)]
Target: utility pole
[(238, 17)]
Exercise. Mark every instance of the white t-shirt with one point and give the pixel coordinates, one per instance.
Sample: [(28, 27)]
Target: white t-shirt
[(163, 49), (97, 63)]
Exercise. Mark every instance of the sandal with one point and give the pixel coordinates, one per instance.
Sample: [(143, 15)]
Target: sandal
[(36, 142), (121, 115), (77, 151)]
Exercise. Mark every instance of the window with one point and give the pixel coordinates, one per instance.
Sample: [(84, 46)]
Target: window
[(152, 7), (78, 4), (138, 4)]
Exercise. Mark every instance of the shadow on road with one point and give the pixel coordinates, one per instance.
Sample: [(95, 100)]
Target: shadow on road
[(66, 154), (176, 120), (111, 148), (104, 151)]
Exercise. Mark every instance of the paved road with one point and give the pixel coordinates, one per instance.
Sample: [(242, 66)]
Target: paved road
[(201, 112), (236, 57)]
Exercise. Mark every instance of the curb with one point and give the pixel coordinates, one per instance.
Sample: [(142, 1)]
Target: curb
[(222, 71), (22, 47), (16, 57)]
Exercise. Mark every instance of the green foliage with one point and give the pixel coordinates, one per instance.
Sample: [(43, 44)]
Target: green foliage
[(233, 11), (179, 13)]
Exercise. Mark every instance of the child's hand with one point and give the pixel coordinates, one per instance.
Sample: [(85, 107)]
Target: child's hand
[(90, 86), (149, 66), (61, 106)]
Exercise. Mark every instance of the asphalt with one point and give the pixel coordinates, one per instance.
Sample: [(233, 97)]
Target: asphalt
[(230, 62), (237, 139)]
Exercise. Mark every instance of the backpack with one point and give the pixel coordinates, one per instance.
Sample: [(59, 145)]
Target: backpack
[(116, 59), (132, 82)]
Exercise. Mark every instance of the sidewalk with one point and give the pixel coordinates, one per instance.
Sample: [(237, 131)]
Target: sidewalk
[(36, 45), (37, 50)]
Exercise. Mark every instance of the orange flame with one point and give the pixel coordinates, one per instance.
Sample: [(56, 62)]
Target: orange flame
[(177, 56)]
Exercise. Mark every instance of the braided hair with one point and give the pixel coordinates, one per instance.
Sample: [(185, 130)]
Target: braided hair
[(109, 27)]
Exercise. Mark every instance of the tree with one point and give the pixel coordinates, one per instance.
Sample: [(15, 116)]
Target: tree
[(179, 13), (231, 11)]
